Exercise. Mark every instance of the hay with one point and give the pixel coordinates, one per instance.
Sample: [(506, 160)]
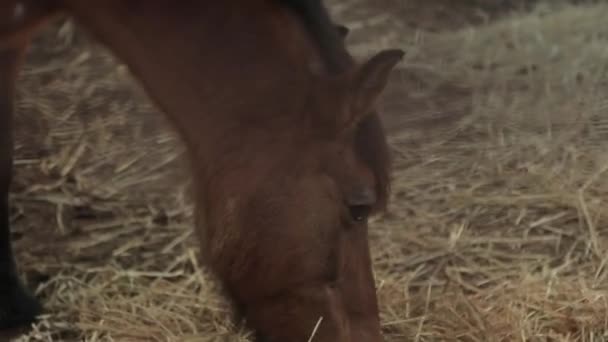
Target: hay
[(497, 230)]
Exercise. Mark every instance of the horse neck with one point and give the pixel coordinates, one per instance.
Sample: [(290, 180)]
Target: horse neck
[(214, 67)]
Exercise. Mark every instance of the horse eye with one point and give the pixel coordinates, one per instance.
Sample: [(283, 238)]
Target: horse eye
[(360, 213)]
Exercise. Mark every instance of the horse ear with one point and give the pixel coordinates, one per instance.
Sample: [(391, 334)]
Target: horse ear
[(342, 31), (369, 81)]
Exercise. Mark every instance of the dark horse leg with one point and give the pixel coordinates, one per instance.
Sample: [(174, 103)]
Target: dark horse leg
[(17, 306)]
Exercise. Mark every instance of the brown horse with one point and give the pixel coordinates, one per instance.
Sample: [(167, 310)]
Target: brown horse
[(289, 156)]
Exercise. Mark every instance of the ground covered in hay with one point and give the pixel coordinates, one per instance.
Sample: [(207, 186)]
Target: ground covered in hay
[(498, 228)]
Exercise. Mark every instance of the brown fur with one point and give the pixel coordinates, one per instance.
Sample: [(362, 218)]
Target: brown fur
[(288, 154)]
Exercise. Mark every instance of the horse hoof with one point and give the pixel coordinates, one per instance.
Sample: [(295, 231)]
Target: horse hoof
[(18, 307)]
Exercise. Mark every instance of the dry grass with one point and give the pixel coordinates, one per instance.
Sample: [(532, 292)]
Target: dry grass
[(497, 230)]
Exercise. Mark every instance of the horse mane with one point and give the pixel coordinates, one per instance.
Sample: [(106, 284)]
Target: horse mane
[(370, 139)]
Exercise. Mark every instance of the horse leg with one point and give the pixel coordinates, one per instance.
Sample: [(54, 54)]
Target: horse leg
[(17, 306)]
